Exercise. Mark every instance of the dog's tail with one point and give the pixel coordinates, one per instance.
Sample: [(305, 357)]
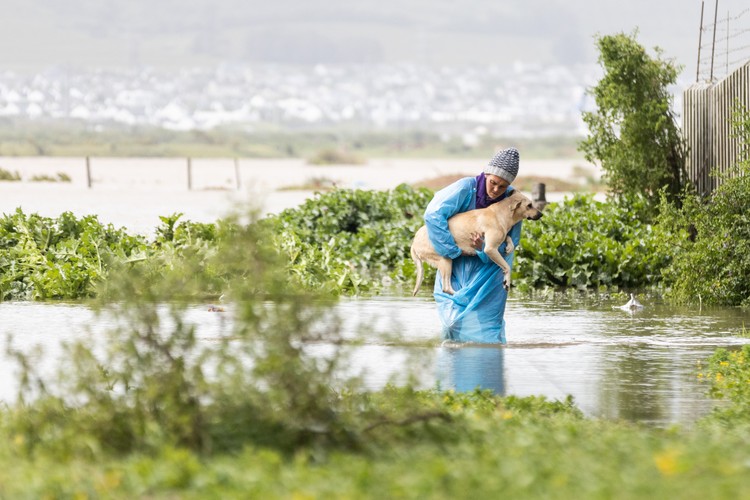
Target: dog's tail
[(420, 270)]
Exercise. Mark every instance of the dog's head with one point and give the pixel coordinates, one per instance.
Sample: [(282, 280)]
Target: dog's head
[(523, 208)]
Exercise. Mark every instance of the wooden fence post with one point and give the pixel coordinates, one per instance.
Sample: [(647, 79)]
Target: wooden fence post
[(88, 172), (237, 172), (538, 196), (190, 174)]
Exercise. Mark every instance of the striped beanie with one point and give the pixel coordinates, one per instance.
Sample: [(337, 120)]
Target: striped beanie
[(504, 164)]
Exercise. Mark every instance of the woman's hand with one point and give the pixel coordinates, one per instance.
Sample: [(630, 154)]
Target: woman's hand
[(477, 240)]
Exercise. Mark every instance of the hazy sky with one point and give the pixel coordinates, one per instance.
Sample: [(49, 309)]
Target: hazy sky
[(38, 33)]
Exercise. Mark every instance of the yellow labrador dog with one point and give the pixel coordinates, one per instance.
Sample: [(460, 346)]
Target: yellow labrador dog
[(492, 222)]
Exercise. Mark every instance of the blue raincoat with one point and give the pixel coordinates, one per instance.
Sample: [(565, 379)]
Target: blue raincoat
[(475, 313)]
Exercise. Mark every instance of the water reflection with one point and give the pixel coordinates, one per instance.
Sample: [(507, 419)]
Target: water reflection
[(465, 368)]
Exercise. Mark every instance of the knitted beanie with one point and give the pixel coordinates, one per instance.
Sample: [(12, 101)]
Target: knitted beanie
[(504, 164)]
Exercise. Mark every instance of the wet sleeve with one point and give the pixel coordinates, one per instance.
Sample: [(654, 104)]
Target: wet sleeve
[(446, 203)]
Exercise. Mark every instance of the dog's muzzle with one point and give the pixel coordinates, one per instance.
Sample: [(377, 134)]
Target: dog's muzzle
[(536, 217)]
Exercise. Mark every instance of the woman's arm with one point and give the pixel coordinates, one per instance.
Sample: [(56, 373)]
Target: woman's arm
[(446, 203)]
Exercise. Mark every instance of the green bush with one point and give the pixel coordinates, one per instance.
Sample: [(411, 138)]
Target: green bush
[(349, 240), (728, 373), (60, 177), (585, 243), (68, 257), (712, 265), (60, 258)]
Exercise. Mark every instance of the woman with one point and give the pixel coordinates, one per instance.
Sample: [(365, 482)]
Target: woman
[(475, 312)]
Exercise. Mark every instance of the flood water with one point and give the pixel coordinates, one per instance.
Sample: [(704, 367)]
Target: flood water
[(639, 367)]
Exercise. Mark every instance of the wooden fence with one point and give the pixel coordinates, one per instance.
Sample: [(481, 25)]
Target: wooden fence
[(707, 127)]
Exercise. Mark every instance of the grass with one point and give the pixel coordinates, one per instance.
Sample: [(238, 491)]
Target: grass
[(514, 448)]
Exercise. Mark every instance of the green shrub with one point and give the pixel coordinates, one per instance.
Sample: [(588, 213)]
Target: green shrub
[(585, 243), (715, 267), (60, 258), (68, 257), (728, 373), (634, 134), (349, 240), (713, 237)]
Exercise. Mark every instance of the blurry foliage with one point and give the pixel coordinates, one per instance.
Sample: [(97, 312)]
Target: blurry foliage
[(77, 138), (6, 175), (60, 177), (335, 157), (151, 383), (484, 447), (634, 134)]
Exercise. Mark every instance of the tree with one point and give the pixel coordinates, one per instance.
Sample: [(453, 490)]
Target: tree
[(633, 133)]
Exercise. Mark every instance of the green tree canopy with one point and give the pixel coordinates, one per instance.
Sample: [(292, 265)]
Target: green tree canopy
[(633, 133)]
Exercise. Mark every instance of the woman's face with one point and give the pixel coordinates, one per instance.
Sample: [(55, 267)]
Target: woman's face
[(496, 186)]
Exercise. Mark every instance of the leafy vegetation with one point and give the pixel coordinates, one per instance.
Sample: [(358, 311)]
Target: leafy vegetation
[(585, 243), (349, 241), (713, 262), (67, 257), (729, 374), (712, 237), (633, 133)]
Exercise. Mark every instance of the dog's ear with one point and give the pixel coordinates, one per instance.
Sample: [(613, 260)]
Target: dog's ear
[(515, 204)]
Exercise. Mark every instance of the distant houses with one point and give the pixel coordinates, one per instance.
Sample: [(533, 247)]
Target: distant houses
[(512, 101)]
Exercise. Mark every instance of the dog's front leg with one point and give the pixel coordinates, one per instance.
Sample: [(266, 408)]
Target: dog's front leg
[(492, 252), (509, 246)]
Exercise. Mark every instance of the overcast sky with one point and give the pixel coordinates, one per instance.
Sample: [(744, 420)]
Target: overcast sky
[(39, 33)]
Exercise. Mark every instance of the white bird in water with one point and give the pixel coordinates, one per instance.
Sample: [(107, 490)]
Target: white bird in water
[(632, 304)]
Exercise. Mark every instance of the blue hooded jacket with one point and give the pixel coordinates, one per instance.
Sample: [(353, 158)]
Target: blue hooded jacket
[(475, 313)]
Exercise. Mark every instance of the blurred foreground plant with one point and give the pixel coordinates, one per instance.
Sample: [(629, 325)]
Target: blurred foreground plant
[(151, 381)]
